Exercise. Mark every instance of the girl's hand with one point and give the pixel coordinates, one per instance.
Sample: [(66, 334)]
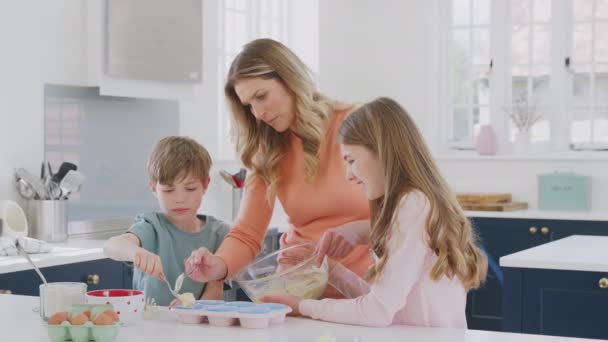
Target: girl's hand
[(149, 263), (203, 266), (337, 243), (292, 301)]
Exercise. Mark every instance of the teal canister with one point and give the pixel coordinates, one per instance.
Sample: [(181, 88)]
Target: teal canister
[(566, 191)]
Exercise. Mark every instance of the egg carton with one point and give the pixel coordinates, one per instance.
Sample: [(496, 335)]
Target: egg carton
[(88, 331), (83, 333), (223, 314)]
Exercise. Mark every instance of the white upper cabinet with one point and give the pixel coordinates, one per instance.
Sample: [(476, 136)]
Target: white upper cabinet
[(155, 40), (144, 48)]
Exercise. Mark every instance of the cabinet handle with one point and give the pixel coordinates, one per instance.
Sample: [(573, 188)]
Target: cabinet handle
[(6, 291), (603, 283), (533, 230), (544, 230), (92, 279)]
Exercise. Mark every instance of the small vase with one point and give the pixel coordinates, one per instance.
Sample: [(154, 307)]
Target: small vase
[(522, 143), (485, 144)]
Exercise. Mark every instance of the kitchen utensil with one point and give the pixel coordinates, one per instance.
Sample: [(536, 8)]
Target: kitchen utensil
[(42, 171), (228, 178), (64, 168), (15, 222), (27, 257), (71, 182), (54, 190), (179, 281), (34, 182), (173, 292), (24, 188), (50, 170)]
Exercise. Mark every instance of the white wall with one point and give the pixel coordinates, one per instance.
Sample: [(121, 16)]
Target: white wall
[(41, 43), (371, 48), (389, 47)]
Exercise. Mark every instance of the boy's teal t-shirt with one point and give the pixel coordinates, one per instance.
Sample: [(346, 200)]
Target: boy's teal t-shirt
[(159, 236)]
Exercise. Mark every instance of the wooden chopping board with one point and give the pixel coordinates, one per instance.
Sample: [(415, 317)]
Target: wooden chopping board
[(483, 198), (495, 206)]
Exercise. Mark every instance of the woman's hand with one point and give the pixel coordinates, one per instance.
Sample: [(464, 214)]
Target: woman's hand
[(204, 266), (292, 301), (214, 290), (148, 262)]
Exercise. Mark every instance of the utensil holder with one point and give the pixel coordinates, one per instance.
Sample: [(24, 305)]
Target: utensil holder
[(48, 220)]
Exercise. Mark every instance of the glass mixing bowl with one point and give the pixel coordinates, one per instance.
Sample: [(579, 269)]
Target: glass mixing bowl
[(289, 271)]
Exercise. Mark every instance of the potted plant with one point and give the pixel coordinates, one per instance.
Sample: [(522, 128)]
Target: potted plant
[(523, 115)]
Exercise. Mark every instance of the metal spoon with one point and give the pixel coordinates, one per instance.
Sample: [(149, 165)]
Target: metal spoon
[(24, 254), (174, 293)]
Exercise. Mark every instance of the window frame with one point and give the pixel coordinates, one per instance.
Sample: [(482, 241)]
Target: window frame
[(256, 20), (561, 79)]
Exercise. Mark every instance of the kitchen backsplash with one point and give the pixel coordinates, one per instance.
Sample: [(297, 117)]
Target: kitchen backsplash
[(109, 138)]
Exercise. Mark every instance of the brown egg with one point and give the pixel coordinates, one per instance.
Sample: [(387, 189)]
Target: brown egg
[(87, 313), (79, 319), (58, 318), (103, 319), (112, 315)]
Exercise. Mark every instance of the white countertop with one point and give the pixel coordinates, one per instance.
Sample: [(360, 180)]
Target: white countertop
[(544, 215), (18, 322), (574, 253), (72, 251)]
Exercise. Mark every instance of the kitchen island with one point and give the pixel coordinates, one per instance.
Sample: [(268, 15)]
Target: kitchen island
[(558, 288), (20, 322)]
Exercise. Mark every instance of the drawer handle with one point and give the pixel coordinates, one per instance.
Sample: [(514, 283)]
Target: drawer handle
[(6, 291), (544, 230), (533, 230), (92, 279), (603, 283)]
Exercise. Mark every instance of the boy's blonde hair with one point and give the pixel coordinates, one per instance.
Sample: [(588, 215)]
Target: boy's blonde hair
[(259, 146), (175, 158), (385, 128)]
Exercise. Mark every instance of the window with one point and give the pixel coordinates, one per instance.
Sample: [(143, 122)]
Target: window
[(588, 66), (243, 21), (551, 55)]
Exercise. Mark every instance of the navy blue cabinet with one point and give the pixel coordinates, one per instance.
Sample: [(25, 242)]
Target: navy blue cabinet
[(98, 274), (499, 237), (504, 236), (553, 302)]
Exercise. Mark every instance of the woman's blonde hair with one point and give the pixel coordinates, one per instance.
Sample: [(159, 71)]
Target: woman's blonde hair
[(259, 146), (386, 129)]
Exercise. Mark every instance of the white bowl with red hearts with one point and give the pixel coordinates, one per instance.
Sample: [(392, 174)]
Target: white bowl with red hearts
[(128, 304)]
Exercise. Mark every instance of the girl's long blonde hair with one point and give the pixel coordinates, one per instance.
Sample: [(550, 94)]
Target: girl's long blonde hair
[(259, 146), (386, 129)]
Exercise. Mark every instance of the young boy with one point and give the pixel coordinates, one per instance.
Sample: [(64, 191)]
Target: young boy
[(159, 242)]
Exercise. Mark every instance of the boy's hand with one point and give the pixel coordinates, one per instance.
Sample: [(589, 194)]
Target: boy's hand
[(203, 266), (149, 263)]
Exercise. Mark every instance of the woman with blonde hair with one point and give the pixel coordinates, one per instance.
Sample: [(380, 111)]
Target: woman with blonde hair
[(285, 133), (426, 252)]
